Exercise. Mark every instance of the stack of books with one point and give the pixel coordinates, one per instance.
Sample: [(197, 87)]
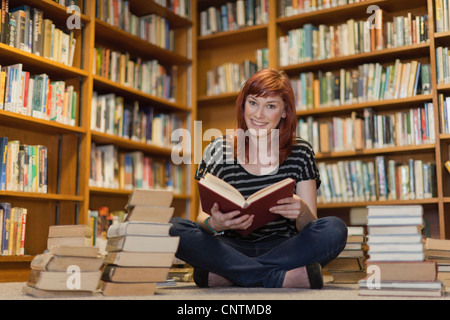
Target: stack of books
[(140, 250), (70, 267), (349, 266), (438, 250), (396, 264)]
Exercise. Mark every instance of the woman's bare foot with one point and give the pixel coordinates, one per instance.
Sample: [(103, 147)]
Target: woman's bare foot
[(215, 280), (296, 278)]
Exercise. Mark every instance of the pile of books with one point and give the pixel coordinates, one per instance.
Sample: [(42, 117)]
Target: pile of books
[(140, 250), (396, 264), (70, 267), (438, 250), (349, 266)]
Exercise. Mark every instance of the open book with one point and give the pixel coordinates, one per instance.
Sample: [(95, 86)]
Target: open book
[(212, 189)]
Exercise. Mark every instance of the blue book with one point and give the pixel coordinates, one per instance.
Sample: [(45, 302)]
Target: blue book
[(224, 15), (6, 226), (3, 153), (309, 41)]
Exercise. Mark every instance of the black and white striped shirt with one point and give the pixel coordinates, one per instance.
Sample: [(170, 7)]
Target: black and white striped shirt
[(300, 165)]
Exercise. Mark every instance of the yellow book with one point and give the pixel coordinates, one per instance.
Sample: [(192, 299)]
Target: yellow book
[(447, 165)]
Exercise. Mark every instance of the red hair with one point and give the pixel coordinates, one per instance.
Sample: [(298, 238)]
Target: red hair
[(268, 83)]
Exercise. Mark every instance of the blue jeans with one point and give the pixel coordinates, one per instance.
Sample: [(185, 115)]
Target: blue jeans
[(262, 263)]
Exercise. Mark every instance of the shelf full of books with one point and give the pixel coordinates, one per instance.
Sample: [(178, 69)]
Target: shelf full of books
[(50, 74), (367, 100), (42, 91)]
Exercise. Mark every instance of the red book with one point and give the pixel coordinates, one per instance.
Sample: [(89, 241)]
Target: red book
[(212, 189)]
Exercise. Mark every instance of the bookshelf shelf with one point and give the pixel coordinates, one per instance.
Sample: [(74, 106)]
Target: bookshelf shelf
[(378, 202), (52, 8), (136, 46), (331, 15), (107, 85), (41, 196), (123, 192), (148, 7), (379, 105), (9, 118), (128, 144), (243, 34), (224, 97), (27, 258), (390, 54), (371, 152), (443, 87), (34, 63)]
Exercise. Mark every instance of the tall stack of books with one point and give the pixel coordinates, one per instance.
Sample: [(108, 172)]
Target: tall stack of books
[(140, 250), (396, 264), (349, 266), (70, 267), (438, 250)]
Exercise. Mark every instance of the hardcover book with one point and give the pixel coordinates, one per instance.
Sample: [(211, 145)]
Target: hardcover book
[(213, 189)]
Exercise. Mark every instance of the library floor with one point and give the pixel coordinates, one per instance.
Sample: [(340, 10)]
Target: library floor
[(189, 291)]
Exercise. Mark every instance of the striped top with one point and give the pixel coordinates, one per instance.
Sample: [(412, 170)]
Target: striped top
[(300, 165)]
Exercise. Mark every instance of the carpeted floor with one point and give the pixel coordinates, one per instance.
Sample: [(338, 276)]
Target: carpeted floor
[(188, 291)]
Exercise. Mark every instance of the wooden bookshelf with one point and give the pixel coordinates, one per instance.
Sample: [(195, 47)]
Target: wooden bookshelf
[(217, 111), (70, 197)]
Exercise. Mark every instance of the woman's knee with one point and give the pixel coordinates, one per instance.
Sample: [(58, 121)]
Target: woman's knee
[(179, 225), (336, 230)]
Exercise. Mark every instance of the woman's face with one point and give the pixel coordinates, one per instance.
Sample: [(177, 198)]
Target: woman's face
[(263, 114)]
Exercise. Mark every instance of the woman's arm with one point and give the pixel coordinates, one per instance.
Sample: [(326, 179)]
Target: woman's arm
[(307, 192), (302, 206)]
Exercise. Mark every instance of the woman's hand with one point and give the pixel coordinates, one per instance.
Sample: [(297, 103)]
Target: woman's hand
[(290, 208), (225, 221)]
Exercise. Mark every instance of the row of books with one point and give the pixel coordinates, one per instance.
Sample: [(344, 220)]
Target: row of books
[(444, 111), (26, 29), (311, 43), (67, 3), (234, 15), (368, 82), (152, 27), (442, 65), (156, 30), (442, 14), (229, 77), (13, 221), (23, 167), (396, 264), (128, 170), (37, 95), (111, 114), (179, 7), (147, 76), (378, 180), (288, 8), (371, 130)]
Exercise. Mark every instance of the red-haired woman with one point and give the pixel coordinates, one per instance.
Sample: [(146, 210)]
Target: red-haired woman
[(288, 252)]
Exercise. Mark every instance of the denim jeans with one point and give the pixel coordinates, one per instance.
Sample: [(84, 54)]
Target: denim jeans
[(262, 263)]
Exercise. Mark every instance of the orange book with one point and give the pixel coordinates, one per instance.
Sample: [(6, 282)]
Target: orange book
[(212, 189)]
